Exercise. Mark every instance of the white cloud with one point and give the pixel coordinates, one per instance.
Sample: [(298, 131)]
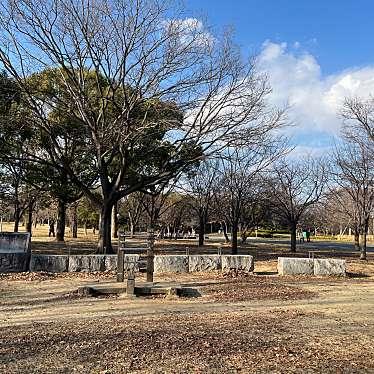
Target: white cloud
[(190, 30), (315, 100)]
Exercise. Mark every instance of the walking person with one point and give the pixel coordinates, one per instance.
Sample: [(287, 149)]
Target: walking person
[(51, 228)]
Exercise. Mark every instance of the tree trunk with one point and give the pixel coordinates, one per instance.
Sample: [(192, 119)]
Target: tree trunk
[(224, 227), (105, 237), (357, 239), (201, 230), (17, 216), (132, 229), (74, 222), (234, 239), (29, 217), (363, 238), (115, 221), (61, 221), (244, 236), (293, 237)]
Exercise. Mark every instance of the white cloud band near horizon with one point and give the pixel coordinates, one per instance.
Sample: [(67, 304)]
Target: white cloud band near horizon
[(314, 99)]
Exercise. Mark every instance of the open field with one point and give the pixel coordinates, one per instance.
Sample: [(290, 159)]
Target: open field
[(258, 323)]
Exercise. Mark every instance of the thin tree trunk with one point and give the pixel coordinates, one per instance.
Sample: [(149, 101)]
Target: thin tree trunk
[(234, 239), (224, 227), (201, 230), (293, 237), (74, 222), (29, 217), (357, 239), (363, 243), (115, 221), (17, 215), (61, 221)]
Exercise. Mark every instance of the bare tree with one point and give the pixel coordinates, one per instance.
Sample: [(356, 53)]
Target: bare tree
[(157, 202), (354, 159), (355, 175), (176, 219), (200, 185), (238, 178), (295, 186), (133, 207), (358, 118), (141, 79)]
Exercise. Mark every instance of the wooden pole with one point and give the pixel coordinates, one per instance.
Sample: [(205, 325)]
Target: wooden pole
[(150, 255)]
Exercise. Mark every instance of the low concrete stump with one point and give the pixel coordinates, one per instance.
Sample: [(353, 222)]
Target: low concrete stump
[(237, 262), (295, 266), (329, 266), (14, 262), (49, 263), (86, 263), (171, 264), (204, 263)]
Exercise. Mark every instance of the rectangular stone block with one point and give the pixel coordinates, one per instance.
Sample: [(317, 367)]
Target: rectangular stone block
[(129, 263), (295, 266), (13, 242), (49, 263), (110, 262), (329, 266), (204, 262), (86, 263), (237, 262), (171, 264), (14, 262)]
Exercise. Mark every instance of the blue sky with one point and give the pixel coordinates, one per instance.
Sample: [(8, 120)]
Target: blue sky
[(315, 53), (339, 33)]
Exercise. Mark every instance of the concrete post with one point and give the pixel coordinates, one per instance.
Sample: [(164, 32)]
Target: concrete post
[(121, 257), (130, 288)]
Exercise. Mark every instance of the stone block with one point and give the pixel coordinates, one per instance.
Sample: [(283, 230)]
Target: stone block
[(329, 266), (237, 262), (295, 266), (49, 263), (131, 262), (14, 262), (86, 263), (12, 242), (110, 262), (171, 264), (204, 262)]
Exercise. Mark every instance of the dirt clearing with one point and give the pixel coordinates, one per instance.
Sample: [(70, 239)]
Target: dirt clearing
[(247, 324)]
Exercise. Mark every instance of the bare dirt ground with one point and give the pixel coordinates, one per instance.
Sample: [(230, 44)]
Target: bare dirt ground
[(245, 324), (259, 323)]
